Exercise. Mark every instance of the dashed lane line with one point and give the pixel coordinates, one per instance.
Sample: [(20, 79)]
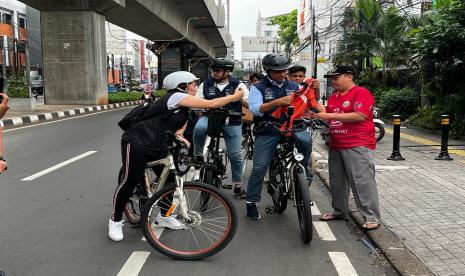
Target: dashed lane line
[(342, 264), (58, 166), (134, 264)]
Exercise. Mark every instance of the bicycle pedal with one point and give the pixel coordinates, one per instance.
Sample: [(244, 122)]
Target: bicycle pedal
[(224, 177), (227, 186), (312, 203)]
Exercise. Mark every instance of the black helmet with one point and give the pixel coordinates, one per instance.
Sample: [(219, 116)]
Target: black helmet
[(275, 62), (222, 63)]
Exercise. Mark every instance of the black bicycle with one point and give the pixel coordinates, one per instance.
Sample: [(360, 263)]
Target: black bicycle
[(287, 176), (213, 169)]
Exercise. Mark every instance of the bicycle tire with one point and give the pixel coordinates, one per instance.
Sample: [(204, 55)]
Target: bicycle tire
[(176, 254), (304, 211), (276, 188)]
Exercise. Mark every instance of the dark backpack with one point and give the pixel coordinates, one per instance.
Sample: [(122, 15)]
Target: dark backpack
[(133, 116)]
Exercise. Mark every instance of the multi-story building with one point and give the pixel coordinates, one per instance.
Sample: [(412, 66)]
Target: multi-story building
[(19, 29), (265, 41)]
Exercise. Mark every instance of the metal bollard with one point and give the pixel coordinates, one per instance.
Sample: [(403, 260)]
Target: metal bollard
[(396, 156), (444, 154)]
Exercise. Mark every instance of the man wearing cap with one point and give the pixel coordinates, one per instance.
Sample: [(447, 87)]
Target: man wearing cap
[(351, 154)]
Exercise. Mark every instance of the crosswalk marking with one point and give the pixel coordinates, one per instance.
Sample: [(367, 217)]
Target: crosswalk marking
[(134, 264), (342, 264)]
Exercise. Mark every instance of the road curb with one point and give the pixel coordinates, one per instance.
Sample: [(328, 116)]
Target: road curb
[(404, 261), (43, 117)]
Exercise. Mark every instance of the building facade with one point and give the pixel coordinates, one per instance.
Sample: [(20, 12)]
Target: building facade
[(265, 41)]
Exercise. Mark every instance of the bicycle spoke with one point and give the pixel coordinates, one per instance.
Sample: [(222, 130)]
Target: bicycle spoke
[(221, 227)]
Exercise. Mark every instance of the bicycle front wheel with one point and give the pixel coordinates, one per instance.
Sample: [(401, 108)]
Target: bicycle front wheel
[(304, 211), (206, 232)]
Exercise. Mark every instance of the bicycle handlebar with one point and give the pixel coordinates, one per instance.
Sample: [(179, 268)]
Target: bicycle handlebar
[(222, 110), (295, 128)]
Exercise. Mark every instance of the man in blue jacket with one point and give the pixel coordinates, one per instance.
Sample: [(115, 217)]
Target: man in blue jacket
[(221, 84), (273, 91)]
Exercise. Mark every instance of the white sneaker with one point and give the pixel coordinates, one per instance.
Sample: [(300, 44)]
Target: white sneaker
[(115, 230), (169, 222)]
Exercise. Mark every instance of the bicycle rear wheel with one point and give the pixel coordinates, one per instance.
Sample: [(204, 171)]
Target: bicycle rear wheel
[(206, 232), (304, 211), (276, 186)]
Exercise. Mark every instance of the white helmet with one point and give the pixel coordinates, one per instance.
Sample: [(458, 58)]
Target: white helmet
[(174, 79)]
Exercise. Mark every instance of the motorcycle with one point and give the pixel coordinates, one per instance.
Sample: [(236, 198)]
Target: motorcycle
[(379, 125)]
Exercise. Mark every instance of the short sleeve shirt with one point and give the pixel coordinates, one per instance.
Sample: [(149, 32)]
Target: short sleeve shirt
[(345, 135)]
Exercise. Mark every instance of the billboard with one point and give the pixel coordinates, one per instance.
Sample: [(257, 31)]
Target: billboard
[(304, 20)]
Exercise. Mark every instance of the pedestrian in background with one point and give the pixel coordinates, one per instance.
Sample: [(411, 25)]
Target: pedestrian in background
[(351, 155), (3, 109)]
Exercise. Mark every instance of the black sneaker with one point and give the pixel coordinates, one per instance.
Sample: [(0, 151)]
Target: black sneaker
[(252, 211), (239, 192)]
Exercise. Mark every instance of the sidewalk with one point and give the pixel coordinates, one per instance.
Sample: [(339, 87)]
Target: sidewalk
[(422, 200)]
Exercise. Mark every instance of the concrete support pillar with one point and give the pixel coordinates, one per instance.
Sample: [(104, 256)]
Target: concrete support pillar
[(74, 56)]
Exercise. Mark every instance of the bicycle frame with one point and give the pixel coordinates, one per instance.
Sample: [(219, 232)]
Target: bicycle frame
[(290, 160), (168, 167)]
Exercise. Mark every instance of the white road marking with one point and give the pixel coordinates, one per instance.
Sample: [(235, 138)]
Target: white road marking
[(66, 119), (134, 264), (342, 264), (323, 230), (57, 166)]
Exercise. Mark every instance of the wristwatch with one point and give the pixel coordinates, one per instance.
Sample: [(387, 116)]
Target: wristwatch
[(1, 158)]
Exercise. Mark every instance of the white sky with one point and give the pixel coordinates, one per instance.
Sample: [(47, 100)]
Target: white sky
[(244, 14)]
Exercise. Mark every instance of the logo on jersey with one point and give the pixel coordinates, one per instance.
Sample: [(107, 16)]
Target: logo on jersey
[(268, 94), (211, 91), (346, 104)]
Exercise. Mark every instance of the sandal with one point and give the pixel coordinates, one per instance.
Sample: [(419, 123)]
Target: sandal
[(332, 216), (366, 224)]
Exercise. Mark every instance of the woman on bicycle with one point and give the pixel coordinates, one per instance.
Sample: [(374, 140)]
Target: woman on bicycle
[(145, 141)]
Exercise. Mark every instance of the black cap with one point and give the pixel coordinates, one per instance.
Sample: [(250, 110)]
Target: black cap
[(341, 69)]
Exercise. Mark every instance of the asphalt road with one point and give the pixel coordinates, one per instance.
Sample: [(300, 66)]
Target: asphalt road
[(55, 223)]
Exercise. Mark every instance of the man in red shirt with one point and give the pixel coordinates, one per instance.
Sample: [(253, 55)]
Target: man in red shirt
[(351, 154)]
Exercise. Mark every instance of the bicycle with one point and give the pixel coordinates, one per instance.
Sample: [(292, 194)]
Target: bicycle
[(208, 230), (213, 169), (287, 179)]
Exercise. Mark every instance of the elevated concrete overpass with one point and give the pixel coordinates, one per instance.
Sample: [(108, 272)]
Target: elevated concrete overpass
[(73, 39)]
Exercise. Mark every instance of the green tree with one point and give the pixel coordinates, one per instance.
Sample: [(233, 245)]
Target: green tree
[(439, 45), (287, 32)]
